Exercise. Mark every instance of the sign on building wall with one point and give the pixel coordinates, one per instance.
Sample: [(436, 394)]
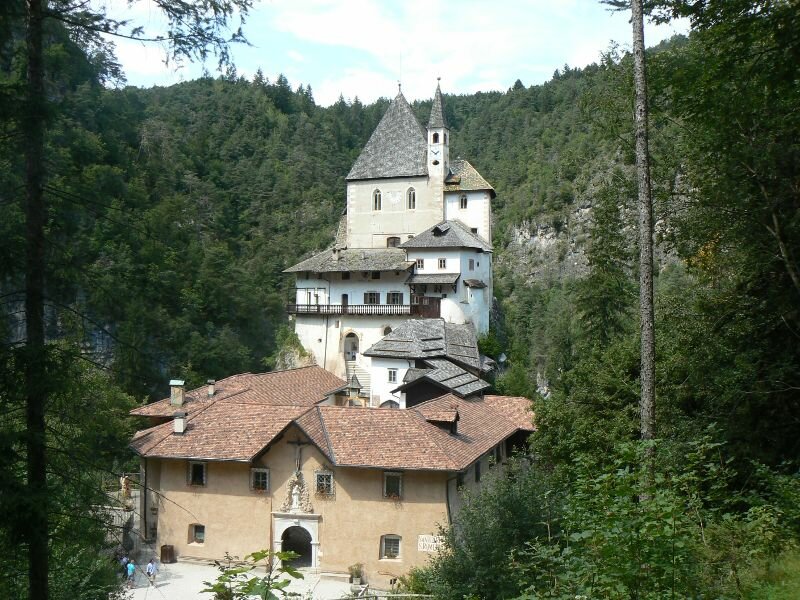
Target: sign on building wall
[(429, 543)]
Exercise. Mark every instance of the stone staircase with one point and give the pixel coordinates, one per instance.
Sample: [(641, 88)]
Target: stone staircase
[(363, 377)]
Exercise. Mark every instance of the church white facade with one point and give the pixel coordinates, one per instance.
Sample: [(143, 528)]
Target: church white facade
[(413, 244)]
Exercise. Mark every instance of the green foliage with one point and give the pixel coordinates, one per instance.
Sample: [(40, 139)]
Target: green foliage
[(237, 581)]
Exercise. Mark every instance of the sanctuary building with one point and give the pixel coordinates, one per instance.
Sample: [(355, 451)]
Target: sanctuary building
[(362, 457), (414, 242)]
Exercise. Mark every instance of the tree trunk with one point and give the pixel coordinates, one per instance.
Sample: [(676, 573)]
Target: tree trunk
[(36, 525), (648, 348)]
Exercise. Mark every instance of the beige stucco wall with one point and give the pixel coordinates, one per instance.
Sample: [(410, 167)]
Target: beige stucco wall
[(351, 522), (367, 228)]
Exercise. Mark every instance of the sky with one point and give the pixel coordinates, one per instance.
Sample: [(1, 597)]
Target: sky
[(362, 48)]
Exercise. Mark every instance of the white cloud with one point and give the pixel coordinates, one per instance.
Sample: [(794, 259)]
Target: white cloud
[(295, 56)]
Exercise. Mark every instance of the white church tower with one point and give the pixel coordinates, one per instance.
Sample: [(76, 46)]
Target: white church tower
[(412, 254)]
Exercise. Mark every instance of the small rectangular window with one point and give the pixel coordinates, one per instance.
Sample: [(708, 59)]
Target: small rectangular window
[(345, 275), (471, 264), (474, 230), (420, 264), (259, 479), (390, 546), (392, 375), (197, 473), (197, 533), (394, 298), (478, 471), (392, 485), (375, 275), (442, 263), (372, 297), (324, 483)]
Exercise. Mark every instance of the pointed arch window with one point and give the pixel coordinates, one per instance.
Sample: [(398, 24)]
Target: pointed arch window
[(463, 201), (376, 200), (411, 199), (435, 138)]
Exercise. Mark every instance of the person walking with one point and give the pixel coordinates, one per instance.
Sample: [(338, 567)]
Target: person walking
[(131, 574), (124, 564), (151, 571)]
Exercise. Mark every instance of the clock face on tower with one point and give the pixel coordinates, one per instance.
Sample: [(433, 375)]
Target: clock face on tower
[(434, 152)]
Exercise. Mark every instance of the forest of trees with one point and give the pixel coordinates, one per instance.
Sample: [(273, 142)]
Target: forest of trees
[(171, 213)]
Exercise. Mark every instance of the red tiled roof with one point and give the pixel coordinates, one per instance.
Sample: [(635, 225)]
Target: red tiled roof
[(237, 426), (223, 431), (294, 387)]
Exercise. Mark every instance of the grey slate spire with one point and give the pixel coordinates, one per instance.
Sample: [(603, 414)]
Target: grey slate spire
[(397, 148), (437, 112)]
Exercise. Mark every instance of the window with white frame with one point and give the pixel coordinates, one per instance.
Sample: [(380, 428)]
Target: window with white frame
[(259, 479), (390, 546), (376, 200), (392, 375), (420, 264), (462, 202), (197, 533), (411, 199), (197, 473), (392, 485), (372, 297), (323, 484), (394, 297), (442, 263)]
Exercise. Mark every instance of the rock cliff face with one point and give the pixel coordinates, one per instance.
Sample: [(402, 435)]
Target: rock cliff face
[(546, 252)]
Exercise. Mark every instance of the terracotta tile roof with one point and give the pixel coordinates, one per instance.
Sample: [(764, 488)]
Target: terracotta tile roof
[(383, 438), (222, 431), (294, 387), (238, 427), (388, 438)]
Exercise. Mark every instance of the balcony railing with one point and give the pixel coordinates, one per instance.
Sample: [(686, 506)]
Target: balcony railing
[(352, 309)]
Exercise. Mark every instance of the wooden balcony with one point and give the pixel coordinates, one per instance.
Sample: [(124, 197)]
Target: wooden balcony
[(353, 309)]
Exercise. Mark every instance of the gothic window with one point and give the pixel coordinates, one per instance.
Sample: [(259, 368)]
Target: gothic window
[(411, 197), (463, 201), (392, 242), (435, 138), (445, 138), (376, 200)]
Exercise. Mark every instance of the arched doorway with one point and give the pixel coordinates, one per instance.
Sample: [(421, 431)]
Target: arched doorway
[(350, 346), (296, 539)]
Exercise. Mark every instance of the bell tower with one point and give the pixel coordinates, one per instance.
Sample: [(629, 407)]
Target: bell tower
[(438, 139)]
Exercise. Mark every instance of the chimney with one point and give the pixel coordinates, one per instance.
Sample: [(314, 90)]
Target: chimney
[(176, 392), (211, 387), (179, 421)]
